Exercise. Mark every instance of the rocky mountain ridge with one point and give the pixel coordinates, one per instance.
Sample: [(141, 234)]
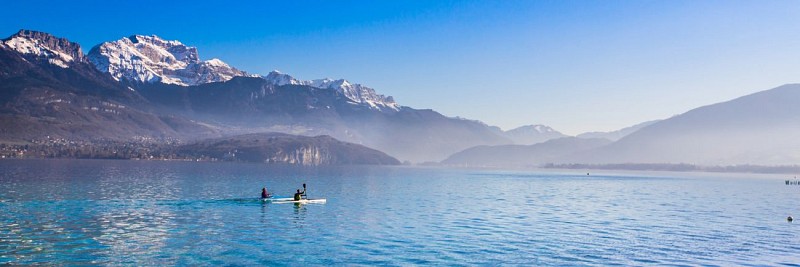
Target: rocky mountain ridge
[(48, 89), (42, 46), (40, 99), (532, 134), (357, 93), (149, 59)]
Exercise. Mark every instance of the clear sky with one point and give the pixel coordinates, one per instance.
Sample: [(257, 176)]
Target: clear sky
[(573, 65)]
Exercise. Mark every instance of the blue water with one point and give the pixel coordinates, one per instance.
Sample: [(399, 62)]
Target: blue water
[(76, 212)]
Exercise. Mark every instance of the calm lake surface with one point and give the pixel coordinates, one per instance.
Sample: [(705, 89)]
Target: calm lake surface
[(72, 212)]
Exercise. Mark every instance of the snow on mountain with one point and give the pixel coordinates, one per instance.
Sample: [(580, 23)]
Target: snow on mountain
[(277, 78), (44, 46), (357, 93), (532, 134), (150, 59)]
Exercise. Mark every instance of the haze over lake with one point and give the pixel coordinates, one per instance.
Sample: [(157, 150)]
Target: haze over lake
[(185, 213)]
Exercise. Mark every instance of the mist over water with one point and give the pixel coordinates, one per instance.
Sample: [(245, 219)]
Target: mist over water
[(166, 213)]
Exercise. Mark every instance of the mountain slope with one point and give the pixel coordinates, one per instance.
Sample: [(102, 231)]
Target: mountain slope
[(245, 105), (618, 134), (516, 156), (357, 93), (148, 59), (48, 88), (143, 86), (532, 134), (287, 149), (760, 128)]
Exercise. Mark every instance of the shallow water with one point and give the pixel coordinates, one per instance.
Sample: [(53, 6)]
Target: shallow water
[(73, 212)]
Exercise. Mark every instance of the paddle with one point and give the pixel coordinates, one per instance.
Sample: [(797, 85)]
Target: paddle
[(304, 190)]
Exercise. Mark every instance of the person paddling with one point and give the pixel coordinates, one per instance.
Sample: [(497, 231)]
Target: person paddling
[(299, 195), (264, 193)]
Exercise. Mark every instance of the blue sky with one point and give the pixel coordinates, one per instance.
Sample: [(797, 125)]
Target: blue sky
[(573, 65)]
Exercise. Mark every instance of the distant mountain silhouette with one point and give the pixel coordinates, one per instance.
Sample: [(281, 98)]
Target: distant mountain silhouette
[(519, 156), (532, 134), (49, 88), (761, 128), (618, 134), (246, 105)]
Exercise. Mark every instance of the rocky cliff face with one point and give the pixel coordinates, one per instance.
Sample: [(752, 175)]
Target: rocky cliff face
[(40, 46), (287, 149), (48, 88), (356, 93), (304, 155), (149, 59)]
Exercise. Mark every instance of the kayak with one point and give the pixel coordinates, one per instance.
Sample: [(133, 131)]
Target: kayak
[(302, 201), (273, 199)]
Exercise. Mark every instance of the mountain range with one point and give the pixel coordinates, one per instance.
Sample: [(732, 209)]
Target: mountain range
[(49, 88), (618, 134), (757, 129), (148, 59), (532, 134), (147, 88), (523, 156)]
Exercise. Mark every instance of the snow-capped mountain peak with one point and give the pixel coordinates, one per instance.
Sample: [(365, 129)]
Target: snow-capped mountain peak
[(44, 46), (148, 59), (217, 63), (532, 134), (277, 78), (542, 128), (356, 93), (535, 128)]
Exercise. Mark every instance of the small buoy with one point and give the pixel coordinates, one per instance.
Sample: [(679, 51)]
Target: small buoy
[(790, 219)]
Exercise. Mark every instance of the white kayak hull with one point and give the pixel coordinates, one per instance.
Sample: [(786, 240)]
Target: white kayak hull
[(277, 199), (302, 201)]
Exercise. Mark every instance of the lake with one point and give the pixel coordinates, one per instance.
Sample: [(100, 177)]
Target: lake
[(77, 212)]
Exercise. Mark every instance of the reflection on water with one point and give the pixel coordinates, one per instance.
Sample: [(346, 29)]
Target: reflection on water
[(176, 213), (133, 231), (299, 214)]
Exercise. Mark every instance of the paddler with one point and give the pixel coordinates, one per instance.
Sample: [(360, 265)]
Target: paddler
[(264, 193), (299, 195)]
